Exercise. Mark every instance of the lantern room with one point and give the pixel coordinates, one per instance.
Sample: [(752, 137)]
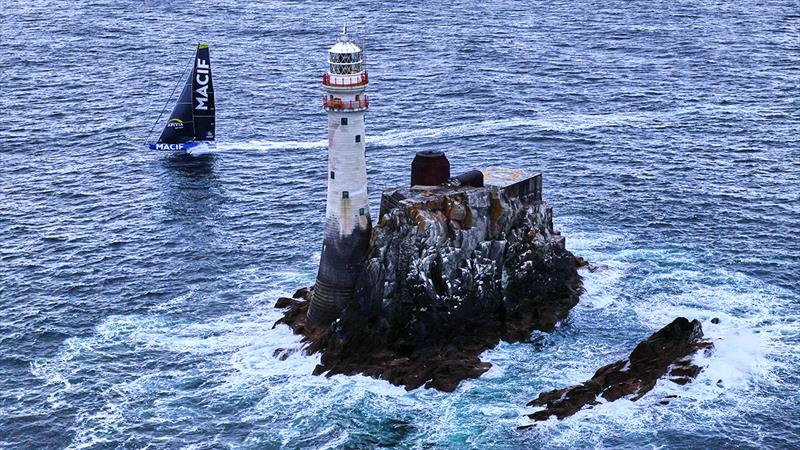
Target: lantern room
[(346, 68), (345, 58)]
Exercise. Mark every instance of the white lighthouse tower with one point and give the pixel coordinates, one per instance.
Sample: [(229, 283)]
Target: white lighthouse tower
[(347, 221)]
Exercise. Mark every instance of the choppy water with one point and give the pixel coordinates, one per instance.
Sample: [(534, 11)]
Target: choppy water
[(136, 289)]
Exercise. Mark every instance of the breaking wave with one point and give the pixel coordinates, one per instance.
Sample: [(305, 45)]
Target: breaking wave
[(755, 341), (241, 362)]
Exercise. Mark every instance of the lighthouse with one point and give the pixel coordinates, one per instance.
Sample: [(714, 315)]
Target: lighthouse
[(347, 221)]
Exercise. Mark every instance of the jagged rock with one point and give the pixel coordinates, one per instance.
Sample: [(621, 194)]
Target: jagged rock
[(667, 352), (284, 302), (303, 293), (450, 273), (281, 354)]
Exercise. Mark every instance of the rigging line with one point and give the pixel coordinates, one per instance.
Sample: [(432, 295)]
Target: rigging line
[(147, 138)]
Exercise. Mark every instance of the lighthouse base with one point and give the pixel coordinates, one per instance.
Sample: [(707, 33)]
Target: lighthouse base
[(340, 263)]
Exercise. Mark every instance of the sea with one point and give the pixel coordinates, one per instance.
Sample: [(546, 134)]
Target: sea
[(137, 287)]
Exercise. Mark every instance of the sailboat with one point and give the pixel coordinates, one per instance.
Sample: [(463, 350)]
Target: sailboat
[(190, 127)]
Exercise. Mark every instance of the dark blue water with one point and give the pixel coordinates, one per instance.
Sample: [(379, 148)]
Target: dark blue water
[(136, 289)]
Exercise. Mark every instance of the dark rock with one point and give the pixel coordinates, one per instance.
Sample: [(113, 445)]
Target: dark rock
[(667, 352), (295, 315), (281, 354), (303, 293), (318, 370), (686, 371), (449, 274), (715, 320), (284, 302)]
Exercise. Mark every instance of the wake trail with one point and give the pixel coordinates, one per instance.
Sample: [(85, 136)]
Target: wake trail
[(558, 124), (266, 145)]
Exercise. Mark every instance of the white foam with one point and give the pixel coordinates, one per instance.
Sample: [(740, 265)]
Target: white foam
[(580, 242), (200, 150), (266, 145), (749, 344), (602, 283), (650, 287), (237, 353), (173, 302)]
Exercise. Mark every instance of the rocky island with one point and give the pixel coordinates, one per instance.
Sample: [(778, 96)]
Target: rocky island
[(453, 266), (451, 270)]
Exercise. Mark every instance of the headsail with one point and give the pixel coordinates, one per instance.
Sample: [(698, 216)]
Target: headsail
[(203, 96), (192, 118), (180, 126)]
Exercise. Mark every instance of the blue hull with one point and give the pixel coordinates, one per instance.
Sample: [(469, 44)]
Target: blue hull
[(186, 147)]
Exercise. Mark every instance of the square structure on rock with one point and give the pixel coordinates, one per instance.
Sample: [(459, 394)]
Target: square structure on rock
[(514, 182)]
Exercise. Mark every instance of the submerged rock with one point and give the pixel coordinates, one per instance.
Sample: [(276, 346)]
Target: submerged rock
[(450, 273), (667, 352)]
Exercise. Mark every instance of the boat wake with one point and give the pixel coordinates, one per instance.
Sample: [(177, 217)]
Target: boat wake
[(201, 150), (266, 145), (559, 124)]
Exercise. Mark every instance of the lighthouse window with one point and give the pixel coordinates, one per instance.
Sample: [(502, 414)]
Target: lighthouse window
[(333, 175), (344, 120), (360, 211), (345, 194), (358, 138)]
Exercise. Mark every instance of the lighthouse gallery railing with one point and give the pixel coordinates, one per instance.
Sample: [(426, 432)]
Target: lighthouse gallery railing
[(337, 103), (345, 80)]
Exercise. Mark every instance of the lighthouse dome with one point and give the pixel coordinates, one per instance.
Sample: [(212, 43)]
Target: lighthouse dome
[(345, 46), (345, 57)]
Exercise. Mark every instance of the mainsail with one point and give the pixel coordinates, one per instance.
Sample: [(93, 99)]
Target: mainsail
[(203, 96), (192, 118)]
